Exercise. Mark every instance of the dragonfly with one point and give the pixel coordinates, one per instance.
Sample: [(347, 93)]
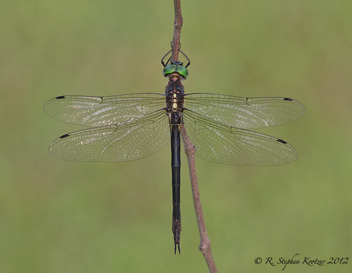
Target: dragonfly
[(134, 126)]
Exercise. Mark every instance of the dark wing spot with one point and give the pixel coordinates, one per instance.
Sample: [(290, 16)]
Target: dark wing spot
[(64, 136), (60, 97), (282, 141), (288, 99)]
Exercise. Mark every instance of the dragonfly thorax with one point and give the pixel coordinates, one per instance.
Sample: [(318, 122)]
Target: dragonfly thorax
[(174, 97)]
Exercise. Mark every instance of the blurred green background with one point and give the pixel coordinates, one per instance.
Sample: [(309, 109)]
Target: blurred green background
[(60, 216)]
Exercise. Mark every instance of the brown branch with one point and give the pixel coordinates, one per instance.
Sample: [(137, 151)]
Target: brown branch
[(204, 246), (177, 30)]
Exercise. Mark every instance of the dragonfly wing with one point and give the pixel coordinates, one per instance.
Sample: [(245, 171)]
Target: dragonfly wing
[(102, 111), (224, 144), (245, 113), (113, 143)]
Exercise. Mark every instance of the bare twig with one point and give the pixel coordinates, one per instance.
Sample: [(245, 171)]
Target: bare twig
[(177, 30), (204, 246)]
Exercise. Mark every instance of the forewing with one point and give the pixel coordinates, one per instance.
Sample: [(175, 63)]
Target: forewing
[(102, 111), (113, 143), (245, 113), (224, 144)]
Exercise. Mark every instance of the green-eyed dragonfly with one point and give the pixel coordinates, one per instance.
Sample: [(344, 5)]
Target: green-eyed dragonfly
[(134, 126)]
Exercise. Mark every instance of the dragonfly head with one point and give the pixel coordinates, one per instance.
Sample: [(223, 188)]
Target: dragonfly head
[(176, 67)]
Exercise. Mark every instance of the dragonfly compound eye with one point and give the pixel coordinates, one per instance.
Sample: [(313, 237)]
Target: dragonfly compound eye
[(169, 69), (183, 71), (177, 67)]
